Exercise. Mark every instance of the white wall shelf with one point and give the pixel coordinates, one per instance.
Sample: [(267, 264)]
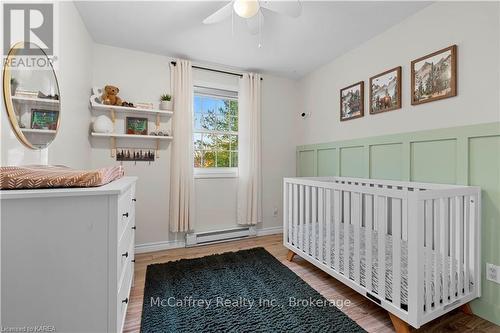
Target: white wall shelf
[(35, 100), (37, 131), (132, 136), (98, 106)]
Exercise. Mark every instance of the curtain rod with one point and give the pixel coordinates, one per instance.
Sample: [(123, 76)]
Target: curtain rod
[(213, 70)]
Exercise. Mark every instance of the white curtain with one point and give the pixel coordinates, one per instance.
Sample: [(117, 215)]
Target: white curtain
[(249, 152), (181, 169)]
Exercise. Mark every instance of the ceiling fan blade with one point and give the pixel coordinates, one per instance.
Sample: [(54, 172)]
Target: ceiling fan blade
[(289, 8), (255, 22), (220, 15)]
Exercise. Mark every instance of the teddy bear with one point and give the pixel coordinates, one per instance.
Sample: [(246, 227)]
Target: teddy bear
[(110, 97)]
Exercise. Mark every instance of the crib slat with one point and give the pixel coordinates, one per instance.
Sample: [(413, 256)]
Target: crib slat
[(460, 243), (356, 218), (428, 254), (321, 225), (314, 193), (337, 212), (467, 235), (308, 218), (300, 243), (328, 221), (347, 222), (396, 251), (290, 212), (437, 250), (445, 226), (295, 213), (381, 202), (285, 212), (368, 240), (453, 241)]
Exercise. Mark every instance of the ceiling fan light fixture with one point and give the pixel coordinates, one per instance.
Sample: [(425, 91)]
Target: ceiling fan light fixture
[(246, 8)]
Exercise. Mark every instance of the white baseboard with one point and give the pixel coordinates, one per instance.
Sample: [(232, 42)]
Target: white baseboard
[(269, 231), (175, 244), (159, 246)]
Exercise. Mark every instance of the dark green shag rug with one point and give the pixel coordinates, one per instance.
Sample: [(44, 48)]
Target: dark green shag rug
[(244, 291)]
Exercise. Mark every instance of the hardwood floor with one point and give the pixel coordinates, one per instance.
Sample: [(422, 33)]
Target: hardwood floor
[(368, 315)]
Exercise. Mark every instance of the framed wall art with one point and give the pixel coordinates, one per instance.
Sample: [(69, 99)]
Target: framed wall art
[(385, 91), (434, 76), (352, 101)]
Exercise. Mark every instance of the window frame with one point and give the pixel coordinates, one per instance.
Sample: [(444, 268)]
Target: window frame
[(214, 172)]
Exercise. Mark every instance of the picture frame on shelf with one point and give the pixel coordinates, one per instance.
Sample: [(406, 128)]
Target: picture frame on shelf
[(434, 76), (44, 119), (352, 101), (385, 91), (136, 126)]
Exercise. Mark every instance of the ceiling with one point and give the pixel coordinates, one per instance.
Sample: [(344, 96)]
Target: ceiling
[(291, 47)]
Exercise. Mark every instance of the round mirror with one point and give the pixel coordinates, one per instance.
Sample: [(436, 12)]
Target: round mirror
[(31, 95)]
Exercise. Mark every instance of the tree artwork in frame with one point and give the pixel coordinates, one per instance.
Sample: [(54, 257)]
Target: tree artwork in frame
[(137, 126), (385, 91), (352, 101), (44, 119), (434, 76)]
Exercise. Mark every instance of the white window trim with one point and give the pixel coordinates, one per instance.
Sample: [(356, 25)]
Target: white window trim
[(207, 173)]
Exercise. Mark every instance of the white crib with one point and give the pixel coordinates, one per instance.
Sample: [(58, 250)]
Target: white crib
[(412, 248)]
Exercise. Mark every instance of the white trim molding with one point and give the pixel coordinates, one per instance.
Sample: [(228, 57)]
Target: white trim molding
[(176, 244), (270, 231), (159, 246)]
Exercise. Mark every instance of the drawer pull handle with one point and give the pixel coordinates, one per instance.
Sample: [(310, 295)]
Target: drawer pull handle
[(125, 255), (133, 260), (125, 300), (134, 199), (126, 214), (134, 227)]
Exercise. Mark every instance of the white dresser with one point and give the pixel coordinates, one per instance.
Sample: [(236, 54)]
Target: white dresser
[(67, 257)]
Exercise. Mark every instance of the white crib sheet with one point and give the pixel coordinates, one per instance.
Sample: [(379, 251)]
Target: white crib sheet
[(375, 261)]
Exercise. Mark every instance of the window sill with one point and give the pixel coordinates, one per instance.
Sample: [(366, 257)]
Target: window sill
[(215, 173)]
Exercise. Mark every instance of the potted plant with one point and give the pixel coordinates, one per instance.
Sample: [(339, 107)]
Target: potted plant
[(13, 86), (166, 102)]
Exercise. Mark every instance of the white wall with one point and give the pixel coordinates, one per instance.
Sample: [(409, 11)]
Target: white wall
[(216, 204), (143, 77), (71, 146), (473, 26)]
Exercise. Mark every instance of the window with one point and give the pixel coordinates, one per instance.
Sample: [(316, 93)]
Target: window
[(215, 128)]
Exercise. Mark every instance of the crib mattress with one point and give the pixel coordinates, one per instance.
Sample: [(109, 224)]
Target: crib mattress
[(375, 262)]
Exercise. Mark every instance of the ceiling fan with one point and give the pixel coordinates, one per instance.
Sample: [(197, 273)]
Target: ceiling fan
[(252, 11)]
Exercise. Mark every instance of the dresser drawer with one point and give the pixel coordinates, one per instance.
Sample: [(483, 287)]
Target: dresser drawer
[(126, 210), (125, 252), (124, 295)]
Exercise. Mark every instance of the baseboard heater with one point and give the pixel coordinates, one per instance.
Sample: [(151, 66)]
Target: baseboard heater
[(210, 237)]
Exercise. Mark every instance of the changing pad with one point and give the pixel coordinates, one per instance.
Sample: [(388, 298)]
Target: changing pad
[(53, 176)]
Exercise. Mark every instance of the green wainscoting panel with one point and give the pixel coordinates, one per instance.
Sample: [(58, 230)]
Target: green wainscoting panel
[(484, 171), (386, 161), (327, 162), (468, 155), (352, 162), (307, 163), (434, 161)]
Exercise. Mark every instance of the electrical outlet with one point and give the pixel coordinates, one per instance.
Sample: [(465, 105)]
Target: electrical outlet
[(492, 273), (275, 211)]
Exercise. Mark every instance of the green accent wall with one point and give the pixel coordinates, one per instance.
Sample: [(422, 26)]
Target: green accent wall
[(468, 155)]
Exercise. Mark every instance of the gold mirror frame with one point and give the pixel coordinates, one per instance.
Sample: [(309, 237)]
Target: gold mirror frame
[(7, 97)]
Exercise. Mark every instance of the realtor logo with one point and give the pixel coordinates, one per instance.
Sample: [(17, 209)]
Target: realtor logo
[(32, 24)]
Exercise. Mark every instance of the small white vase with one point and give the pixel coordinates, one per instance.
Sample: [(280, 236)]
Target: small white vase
[(102, 124), (166, 105)]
